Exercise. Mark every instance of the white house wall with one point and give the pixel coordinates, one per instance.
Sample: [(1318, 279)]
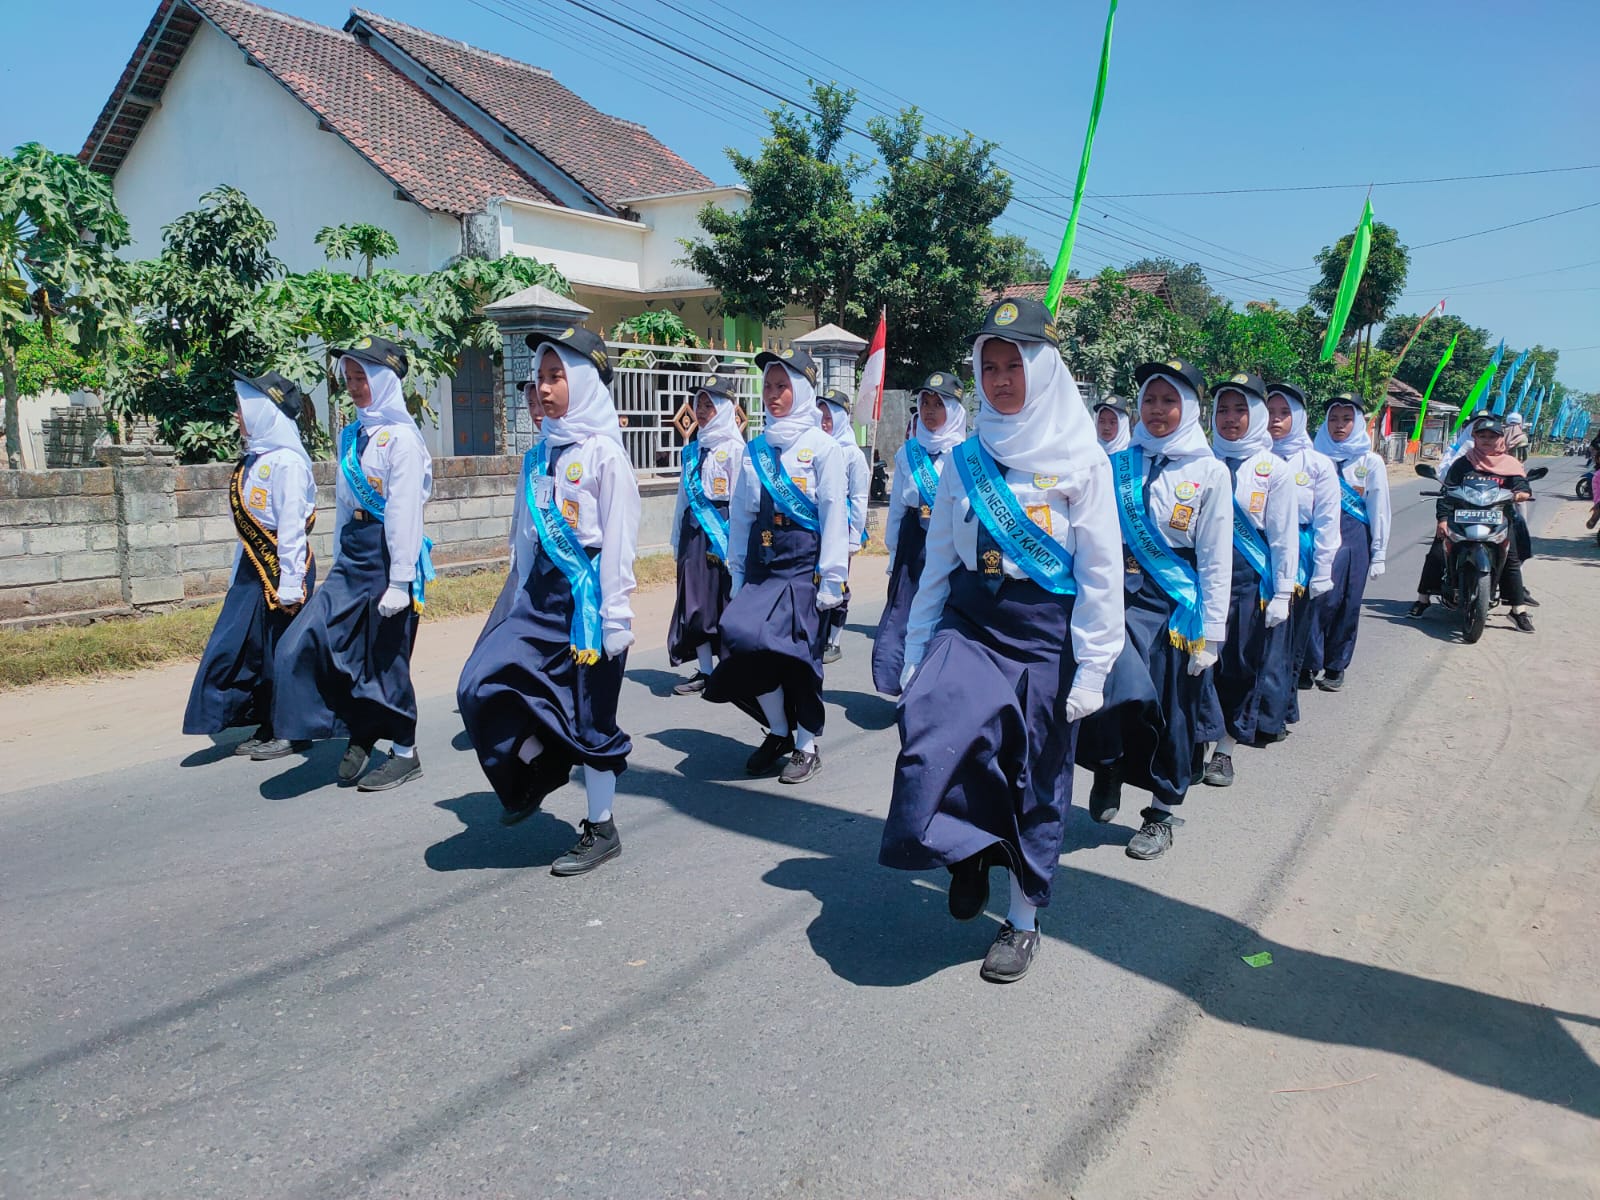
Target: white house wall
[(593, 251), (670, 219)]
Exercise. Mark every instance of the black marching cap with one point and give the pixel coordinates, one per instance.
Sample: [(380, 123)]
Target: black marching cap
[(581, 341), (795, 358), (1115, 403), (1350, 400), (1020, 320), (1182, 368), (942, 383), (718, 385), (280, 389), (1242, 381), (1289, 390), (380, 352), (837, 396)]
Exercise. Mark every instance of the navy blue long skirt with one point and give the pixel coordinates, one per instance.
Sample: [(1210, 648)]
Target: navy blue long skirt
[(772, 634), (703, 587), (522, 679), (233, 685), (341, 669), (1240, 679), (889, 647), (1333, 635)]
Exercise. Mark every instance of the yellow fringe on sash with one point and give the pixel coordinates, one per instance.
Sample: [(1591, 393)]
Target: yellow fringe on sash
[(585, 658), (1184, 644)]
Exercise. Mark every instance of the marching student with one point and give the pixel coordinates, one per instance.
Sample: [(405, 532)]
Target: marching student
[(940, 426), (1175, 507), (1363, 536), (344, 665), (1111, 426), (1012, 638), (539, 692), (835, 408), (273, 498), (788, 555), (1266, 552), (712, 461)]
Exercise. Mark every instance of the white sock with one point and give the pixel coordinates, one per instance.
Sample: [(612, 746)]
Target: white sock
[(1022, 915), (530, 749), (833, 638), (804, 740), (404, 751), (1227, 745), (772, 708), (1160, 805), (703, 656), (601, 788)]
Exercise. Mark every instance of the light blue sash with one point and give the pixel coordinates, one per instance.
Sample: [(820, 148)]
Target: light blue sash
[(372, 500), (1186, 628), (1040, 556), (1352, 502), (560, 542), (791, 501), (1308, 551), (1247, 540), (705, 512), (923, 472)]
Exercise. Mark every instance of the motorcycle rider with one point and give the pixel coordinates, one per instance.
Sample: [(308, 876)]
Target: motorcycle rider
[(1517, 437)]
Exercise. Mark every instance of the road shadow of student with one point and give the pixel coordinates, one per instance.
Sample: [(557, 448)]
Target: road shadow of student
[(221, 747), (660, 683), (486, 845), (864, 710), (317, 768), (1439, 623), (707, 756)]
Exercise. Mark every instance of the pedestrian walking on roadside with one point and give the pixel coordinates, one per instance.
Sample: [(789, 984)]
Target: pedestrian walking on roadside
[(835, 408), (538, 694), (273, 499), (1111, 426), (344, 666), (1266, 551), (1363, 537), (1175, 509), (788, 555), (1012, 639), (940, 427), (712, 462)]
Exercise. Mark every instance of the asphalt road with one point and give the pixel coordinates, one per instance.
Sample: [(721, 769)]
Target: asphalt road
[(220, 978)]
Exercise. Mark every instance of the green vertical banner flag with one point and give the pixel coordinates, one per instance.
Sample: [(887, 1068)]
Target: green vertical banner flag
[(1475, 395), (1422, 411), (1058, 273), (1360, 247)]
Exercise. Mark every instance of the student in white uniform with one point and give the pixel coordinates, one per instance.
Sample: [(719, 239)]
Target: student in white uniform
[(1111, 426), (835, 408)]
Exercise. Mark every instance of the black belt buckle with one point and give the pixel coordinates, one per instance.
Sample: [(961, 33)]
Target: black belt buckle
[(360, 514)]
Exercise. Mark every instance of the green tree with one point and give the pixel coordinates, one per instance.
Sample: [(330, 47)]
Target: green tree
[(1192, 296), (59, 276), (1416, 369), (366, 242), (1113, 329), (1381, 284)]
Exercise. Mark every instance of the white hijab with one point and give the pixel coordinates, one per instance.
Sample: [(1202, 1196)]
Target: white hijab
[(783, 432), (1053, 434), (1124, 434), (1296, 439), (530, 397), (949, 435), (1355, 446), (723, 428), (843, 431), (1188, 440), (1256, 438), (266, 426), (591, 412), (388, 405)]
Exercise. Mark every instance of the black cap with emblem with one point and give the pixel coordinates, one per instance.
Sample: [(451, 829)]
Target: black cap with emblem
[(1350, 400), (837, 396), (280, 389), (942, 383), (1114, 403), (1020, 320), (1177, 368), (580, 341), (1289, 390), (720, 386), (1242, 381), (380, 352), (795, 358)]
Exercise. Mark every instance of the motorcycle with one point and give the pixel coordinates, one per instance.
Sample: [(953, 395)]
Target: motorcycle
[(1586, 486), (1476, 535)]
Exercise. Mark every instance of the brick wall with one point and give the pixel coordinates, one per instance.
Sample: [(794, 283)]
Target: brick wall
[(58, 542)]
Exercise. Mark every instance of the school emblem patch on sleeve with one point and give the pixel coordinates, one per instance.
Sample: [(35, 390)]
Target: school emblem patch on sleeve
[(258, 498), (569, 510), (1182, 515), (1039, 514), (719, 487), (1263, 468), (575, 472), (1258, 502), (264, 471), (1045, 481), (806, 455), (1187, 490), (383, 438), (1302, 479)]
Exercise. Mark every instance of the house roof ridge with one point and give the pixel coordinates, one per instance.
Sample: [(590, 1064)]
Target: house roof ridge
[(261, 10), (367, 14)]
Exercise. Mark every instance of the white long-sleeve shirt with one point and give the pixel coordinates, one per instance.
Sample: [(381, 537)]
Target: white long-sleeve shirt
[(906, 495), (281, 494), (857, 484), (1318, 485), (719, 472), (396, 462), (1369, 475), (597, 493), (1265, 491), (1082, 518), (1190, 505), (816, 464)]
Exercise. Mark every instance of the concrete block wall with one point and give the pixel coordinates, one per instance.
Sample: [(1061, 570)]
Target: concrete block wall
[(58, 542)]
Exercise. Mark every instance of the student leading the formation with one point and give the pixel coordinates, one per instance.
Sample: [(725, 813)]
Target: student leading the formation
[(1363, 537), (273, 499), (1012, 640), (713, 459), (788, 555), (940, 426), (344, 665), (539, 692), (835, 408)]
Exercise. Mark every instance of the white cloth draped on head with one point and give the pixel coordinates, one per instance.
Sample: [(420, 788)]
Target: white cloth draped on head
[(1297, 438), (388, 405), (266, 426), (1124, 434), (782, 431), (843, 431), (1355, 445), (591, 412), (1052, 434), (952, 433), (1256, 438), (723, 428), (1188, 440)]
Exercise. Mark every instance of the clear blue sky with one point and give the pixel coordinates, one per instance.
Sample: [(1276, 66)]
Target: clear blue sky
[(1202, 96)]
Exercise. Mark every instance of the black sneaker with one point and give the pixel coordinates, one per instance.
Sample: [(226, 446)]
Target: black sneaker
[(1307, 681), (802, 765), (693, 685), (598, 844), (969, 886), (1417, 609), (355, 760), (1105, 797), (393, 773), (1527, 599), (1011, 954), (1331, 681), (277, 748), (545, 775), (1219, 771), (254, 742), (831, 655), (1155, 836), (770, 753), (1522, 621)]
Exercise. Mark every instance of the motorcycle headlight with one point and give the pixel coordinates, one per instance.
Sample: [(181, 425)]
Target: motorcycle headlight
[(1475, 531)]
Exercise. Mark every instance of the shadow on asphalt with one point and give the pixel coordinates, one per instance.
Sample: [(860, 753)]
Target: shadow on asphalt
[(709, 756), (315, 769), (486, 845), (214, 753), (1579, 550), (1439, 623), (865, 710), (660, 683)]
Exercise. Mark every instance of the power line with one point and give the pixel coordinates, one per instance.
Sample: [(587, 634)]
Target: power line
[(1513, 225), (1457, 287), (1333, 187)]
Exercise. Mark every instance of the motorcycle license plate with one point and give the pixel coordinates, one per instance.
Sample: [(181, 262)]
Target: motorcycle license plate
[(1479, 516)]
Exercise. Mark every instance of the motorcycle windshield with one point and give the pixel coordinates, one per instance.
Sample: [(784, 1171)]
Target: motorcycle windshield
[(1479, 494)]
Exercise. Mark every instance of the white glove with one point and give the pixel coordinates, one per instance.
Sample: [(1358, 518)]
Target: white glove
[(1376, 572), (1321, 587), (291, 593), (1277, 611), (1200, 660), (907, 674), (395, 600), (617, 641), (1081, 702), (828, 599)]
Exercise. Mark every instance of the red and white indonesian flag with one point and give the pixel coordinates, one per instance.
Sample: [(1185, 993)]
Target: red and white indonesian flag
[(870, 393)]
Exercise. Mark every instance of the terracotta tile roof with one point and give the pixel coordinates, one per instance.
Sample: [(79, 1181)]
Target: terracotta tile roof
[(613, 158), (1154, 282)]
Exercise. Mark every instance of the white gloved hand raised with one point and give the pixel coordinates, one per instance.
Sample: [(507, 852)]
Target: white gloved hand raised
[(395, 600), (1377, 571), (1277, 611), (293, 593), (828, 599), (1321, 587), (1201, 659), (617, 641), (1081, 702)]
